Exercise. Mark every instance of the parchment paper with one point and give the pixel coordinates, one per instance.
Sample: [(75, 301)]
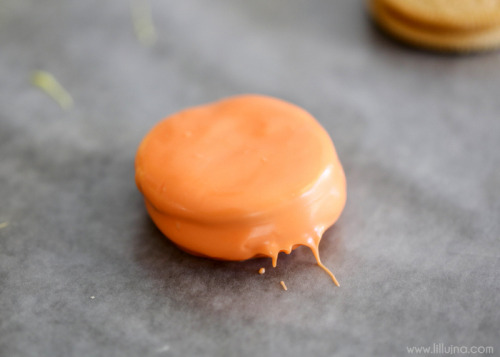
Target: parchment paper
[(84, 272)]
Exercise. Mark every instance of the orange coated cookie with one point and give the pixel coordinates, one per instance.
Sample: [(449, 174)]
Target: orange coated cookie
[(248, 176)]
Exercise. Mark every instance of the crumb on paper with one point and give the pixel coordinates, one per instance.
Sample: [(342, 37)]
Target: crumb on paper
[(262, 271), (49, 84), (4, 224), (283, 285), (142, 20), (92, 297)]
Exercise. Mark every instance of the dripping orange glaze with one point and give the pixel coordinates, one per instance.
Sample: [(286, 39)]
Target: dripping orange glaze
[(248, 176)]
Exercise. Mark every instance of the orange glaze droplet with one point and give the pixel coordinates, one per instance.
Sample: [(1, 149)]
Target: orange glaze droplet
[(256, 176)]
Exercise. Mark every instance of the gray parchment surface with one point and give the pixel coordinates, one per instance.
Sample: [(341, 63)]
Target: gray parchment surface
[(417, 249)]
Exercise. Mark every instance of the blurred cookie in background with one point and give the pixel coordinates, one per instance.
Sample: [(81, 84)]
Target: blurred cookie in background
[(441, 25)]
